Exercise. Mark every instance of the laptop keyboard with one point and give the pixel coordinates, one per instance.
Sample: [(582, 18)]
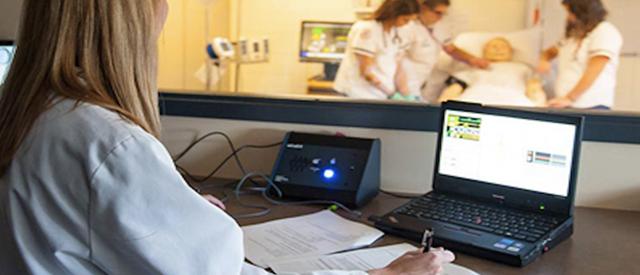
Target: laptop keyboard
[(508, 223)]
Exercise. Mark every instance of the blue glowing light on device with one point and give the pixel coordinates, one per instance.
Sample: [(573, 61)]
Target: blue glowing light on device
[(329, 174)]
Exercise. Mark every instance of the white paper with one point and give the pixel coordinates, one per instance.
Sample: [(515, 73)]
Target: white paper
[(316, 234), (366, 259), (249, 269), (361, 260)]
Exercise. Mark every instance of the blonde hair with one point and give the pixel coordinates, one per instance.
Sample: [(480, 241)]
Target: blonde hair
[(95, 51)]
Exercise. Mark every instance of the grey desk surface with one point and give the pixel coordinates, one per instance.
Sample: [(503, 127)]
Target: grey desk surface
[(604, 241)]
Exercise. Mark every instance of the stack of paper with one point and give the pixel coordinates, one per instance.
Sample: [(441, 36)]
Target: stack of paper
[(363, 260), (366, 259), (312, 235), (308, 243)]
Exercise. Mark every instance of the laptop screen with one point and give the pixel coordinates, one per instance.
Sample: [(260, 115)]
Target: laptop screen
[(520, 153)]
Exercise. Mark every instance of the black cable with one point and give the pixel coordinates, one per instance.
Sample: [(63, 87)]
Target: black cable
[(247, 177), (229, 142), (234, 154), (185, 174), (227, 158), (400, 196), (265, 195), (224, 198)]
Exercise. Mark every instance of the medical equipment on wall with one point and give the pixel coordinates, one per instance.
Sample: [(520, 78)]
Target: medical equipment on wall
[(265, 48), (221, 52), (243, 50), (221, 48), (252, 50)]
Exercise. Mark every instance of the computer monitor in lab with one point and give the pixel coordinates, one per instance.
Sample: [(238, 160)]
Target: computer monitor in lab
[(323, 42), (326, 43), (7, 50)]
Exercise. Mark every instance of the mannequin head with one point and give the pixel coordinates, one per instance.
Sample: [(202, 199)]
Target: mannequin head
[(498, 50)]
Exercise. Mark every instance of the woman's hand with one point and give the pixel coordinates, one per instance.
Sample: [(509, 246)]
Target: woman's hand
[(479, 63), (544, 67), (560, 102), (418, 263), (213, 200)]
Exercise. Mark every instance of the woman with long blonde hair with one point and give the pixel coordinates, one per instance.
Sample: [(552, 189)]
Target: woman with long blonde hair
[(85, 186)]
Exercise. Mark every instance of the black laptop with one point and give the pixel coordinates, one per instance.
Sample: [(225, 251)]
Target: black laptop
[(504, 184)]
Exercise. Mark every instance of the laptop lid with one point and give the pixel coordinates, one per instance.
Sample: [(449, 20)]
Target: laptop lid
[(521, 159)]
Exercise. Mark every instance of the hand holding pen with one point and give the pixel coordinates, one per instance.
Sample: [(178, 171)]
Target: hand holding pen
[(427, 240), (425, 261)]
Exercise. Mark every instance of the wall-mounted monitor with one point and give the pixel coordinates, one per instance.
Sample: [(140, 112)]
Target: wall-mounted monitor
[(324, 42)]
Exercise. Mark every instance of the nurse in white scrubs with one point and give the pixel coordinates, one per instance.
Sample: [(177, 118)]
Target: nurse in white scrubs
[(370, 68), (588, 58), (430, 37), (85, 185)]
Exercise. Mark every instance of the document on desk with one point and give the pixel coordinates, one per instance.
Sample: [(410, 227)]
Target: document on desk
[(311, 235), (360, 260)]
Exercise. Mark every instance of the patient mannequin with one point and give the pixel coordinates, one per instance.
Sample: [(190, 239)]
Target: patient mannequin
[(506, 83)]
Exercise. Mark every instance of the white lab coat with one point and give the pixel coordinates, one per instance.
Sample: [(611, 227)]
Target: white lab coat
[(368, 38), (423, 55), (89, 193), (573, 58)]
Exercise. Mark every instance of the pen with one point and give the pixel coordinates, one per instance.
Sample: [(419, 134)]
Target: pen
[(427, 240)]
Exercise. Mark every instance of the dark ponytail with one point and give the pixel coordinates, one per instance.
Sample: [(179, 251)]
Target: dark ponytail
[(432, 4), (589, 14), (392, 9)]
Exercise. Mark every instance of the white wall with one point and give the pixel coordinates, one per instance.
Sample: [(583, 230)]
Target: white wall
[(628, 90), (280, 20), (183, 41), (9, 18), (491, 15), (609, 177)]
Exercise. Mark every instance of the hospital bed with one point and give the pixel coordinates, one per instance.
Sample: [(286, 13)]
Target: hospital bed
[(506, 84)]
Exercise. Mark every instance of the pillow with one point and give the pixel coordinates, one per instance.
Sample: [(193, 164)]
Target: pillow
[(527, 44)]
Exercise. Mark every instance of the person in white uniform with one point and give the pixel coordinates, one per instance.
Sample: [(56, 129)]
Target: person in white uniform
[(370, 68), (430, 37), (85, 185), (589, 57)]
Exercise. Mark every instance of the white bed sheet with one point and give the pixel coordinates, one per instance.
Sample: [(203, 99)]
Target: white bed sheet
[(503, 84)]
